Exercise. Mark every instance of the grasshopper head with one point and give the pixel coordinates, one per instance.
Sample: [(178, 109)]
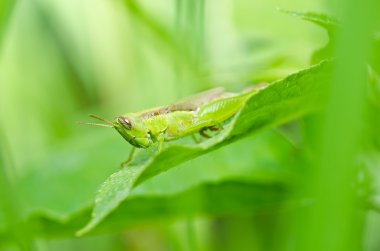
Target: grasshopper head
[(133, 130)]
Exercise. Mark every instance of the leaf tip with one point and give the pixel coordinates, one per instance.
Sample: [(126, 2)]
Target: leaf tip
[(86, 228), (80, 233)]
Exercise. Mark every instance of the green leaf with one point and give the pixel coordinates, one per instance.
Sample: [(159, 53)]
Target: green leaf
[(227, 197), (329, 23), (62, 187), (323, 20), (277, 104), (208, 199), (71, 174), (241, 171)]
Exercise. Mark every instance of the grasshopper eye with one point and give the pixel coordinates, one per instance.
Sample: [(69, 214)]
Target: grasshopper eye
[(125, 122)]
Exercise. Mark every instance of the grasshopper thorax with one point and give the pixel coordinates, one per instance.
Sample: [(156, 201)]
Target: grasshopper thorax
[(133, 130)]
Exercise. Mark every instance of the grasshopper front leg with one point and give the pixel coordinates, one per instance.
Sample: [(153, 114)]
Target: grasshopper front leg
[(160, 140), (123, 164)]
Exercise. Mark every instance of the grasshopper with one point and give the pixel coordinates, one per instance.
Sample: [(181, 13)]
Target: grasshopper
[(198, 113)]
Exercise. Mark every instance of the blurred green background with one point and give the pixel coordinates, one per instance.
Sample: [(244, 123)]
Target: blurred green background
[(308, 185)]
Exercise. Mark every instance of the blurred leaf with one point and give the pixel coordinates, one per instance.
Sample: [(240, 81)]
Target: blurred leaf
[(177, 49), (279, 103), (375, 55), (262, 162), (19, 231), (323, 53), (80, 84), (207, 199), (373, 109), (5, 13), (62, 187), (72, 173), (323, 20), (227, 197), (330, 24), (152, 24)]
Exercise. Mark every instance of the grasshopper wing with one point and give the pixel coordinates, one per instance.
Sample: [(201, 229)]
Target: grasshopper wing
[(192, 103)]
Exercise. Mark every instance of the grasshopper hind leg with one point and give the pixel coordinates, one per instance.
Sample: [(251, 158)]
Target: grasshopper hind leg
[(204, 134), (215, 128), (196, 140)]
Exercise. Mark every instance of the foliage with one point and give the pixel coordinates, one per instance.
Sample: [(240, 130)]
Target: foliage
[(276, 172), (278, 103)]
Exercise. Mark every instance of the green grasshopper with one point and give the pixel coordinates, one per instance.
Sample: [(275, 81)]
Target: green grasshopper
[(199, 113)]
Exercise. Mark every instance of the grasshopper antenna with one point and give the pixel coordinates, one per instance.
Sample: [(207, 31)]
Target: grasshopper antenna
[(94, 124), (101, 119)]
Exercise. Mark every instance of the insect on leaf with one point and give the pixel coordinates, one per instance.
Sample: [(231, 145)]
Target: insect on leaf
[(280, 102)]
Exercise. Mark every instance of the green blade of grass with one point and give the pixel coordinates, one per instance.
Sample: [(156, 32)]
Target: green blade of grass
[(335, 221)]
